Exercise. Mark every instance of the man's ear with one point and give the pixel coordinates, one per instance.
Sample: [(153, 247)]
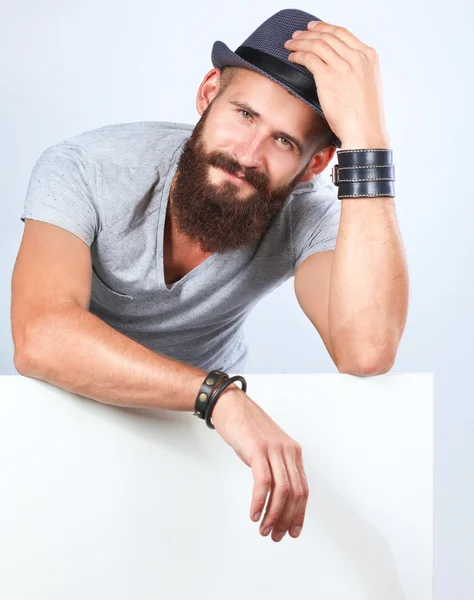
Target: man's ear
[(208, 89), (318, 163)]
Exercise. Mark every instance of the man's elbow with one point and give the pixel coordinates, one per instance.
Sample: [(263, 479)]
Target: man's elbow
[(377, 365), (25, 361), (21, 362)]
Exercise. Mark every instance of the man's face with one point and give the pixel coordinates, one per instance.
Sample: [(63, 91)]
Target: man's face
[(236, 170)]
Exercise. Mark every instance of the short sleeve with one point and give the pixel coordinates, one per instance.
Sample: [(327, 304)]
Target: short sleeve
[(61, 191), (315, 214)]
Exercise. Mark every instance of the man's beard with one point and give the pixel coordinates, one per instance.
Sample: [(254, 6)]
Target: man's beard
[(217, 216)]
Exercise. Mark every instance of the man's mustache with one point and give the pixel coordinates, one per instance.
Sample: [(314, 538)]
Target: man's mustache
[(222, 161)]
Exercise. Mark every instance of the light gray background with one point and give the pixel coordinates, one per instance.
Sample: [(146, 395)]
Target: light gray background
[(68, 68)]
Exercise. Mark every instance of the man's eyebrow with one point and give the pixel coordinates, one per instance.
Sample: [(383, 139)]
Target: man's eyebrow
[(249, 109)]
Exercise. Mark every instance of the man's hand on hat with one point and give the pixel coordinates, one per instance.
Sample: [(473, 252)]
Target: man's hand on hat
[(347, 76)]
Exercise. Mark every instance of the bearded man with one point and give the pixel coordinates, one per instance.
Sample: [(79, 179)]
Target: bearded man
[(147, 244)]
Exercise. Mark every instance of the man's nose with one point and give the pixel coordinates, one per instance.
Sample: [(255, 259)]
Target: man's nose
[(249, 151)]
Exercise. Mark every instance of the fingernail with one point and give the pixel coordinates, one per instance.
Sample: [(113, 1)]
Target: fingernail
[(296, 33), (311, 24), (279, 536), (267, 531), (257, 516), (295, 531)]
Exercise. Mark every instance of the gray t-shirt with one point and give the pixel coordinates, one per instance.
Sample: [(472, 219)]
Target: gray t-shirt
[(110, 188)]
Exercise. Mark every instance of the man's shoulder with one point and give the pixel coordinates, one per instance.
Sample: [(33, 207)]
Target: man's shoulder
[(131, 143), (311, 207), (313, 197)]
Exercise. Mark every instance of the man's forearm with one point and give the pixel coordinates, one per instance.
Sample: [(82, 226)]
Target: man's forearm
[(368, 296), (78, 352)]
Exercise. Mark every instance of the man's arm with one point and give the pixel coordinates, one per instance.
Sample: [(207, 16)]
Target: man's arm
[(368, 299), (368, 290), (58, 340), (311, 284), (357, 294)]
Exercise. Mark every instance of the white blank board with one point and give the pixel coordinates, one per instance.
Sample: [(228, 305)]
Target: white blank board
[(100, 502)]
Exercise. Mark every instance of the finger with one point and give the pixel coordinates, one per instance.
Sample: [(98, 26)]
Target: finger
[(299, 517), (294, 497), (280, 490), (337, 44), (319, 47), (266, 529), (262, 476), (341, 32), (309, 60)]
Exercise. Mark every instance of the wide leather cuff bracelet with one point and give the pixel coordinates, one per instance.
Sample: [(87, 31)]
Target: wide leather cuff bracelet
[(364, 173)]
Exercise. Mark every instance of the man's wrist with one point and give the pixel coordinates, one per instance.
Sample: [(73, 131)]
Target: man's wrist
[(360, 142), (227, 398)]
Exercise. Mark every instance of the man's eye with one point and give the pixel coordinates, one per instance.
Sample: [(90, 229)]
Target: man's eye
[(288, 143), (241, 110)]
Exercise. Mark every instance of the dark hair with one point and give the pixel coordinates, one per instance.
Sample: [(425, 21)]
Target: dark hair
[(228, 74), (324, 137)]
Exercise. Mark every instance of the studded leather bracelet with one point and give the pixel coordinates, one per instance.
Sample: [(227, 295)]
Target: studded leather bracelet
[(208, 386), (211, 389)]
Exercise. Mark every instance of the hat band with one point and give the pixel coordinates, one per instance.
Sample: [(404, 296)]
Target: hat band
[(297, 81)]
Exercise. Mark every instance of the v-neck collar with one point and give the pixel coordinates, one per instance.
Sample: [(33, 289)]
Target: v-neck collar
[(161, 230)]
